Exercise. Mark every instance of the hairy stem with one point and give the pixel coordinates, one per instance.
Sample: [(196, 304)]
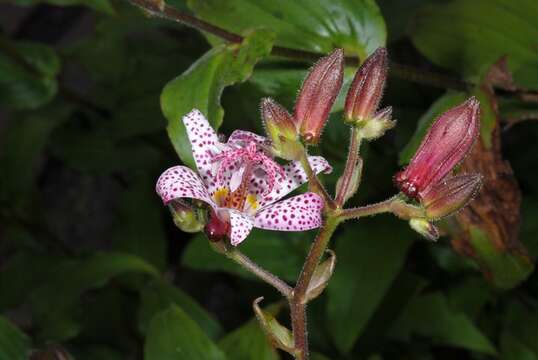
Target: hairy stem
[(298, 299), (393, 205), (246, 263), (351, 167)]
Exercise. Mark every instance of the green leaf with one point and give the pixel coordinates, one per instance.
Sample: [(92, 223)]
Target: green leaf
[(202, 84), (437, 108), (140, 227), (370, 257), (249, 342), (431, 316), (14, 345), (99, 5), (287, 254), (27, 74), (22, 147), (468, 35), (17, 277), (53, 303), (522, 323), (357, 26), (506, 269), (174, 335), (513, 349), (159, 295)]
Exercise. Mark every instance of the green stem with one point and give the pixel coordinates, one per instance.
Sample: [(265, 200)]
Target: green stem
[(298, 299), (395, 205), (249, 265), (351, 167)]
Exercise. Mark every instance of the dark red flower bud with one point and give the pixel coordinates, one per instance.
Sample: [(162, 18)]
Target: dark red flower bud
[(446, 144), (450, 195), (318, 94), (366, 90)]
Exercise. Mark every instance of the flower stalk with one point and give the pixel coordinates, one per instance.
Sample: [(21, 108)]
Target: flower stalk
[(346, 187)]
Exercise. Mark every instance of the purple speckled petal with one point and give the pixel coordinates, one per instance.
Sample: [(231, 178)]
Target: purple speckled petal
[(205, 144), (240, 226), (241, 137), (181, 182), (295, 176), (301, 212)]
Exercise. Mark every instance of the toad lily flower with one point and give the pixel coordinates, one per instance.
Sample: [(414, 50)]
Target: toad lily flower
[(242, 184)]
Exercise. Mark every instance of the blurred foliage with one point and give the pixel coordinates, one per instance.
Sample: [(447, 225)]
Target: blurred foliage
[(90, 262)]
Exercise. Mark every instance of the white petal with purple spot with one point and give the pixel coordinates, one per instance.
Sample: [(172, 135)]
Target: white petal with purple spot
[(301, 212), (240, 226), (240, 137), (181, 182), (205, 144), (295, 176)]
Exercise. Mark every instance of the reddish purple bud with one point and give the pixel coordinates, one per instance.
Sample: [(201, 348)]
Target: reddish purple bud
[(366, 89), (449, 196), (446, 144), (216, 229), (318, 94)]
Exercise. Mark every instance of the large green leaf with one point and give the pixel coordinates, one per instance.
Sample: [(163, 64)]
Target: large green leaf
[(53, 302), (370, 256), (280, 253), (174, 335), (202, 84), (14, 345), (249, 342), (27, 74), (468, 35), (159, 295), (431, 316), (355, 25)]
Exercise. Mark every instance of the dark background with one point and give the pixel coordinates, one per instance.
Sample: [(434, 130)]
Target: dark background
[(92, 264)]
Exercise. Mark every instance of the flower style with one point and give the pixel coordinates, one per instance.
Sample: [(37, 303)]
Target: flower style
[(242, 184)]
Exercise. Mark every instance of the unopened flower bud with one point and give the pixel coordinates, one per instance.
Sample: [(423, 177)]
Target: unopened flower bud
[(451, 195), (280, 336), (281, 129), (320, 278), (376, 126), (447, 142), (424, 228), (318, 94), (187, 218), (366, 90)]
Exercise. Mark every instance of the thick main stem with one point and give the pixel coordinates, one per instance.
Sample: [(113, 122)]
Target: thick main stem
[(351, 167), (298, 299)]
